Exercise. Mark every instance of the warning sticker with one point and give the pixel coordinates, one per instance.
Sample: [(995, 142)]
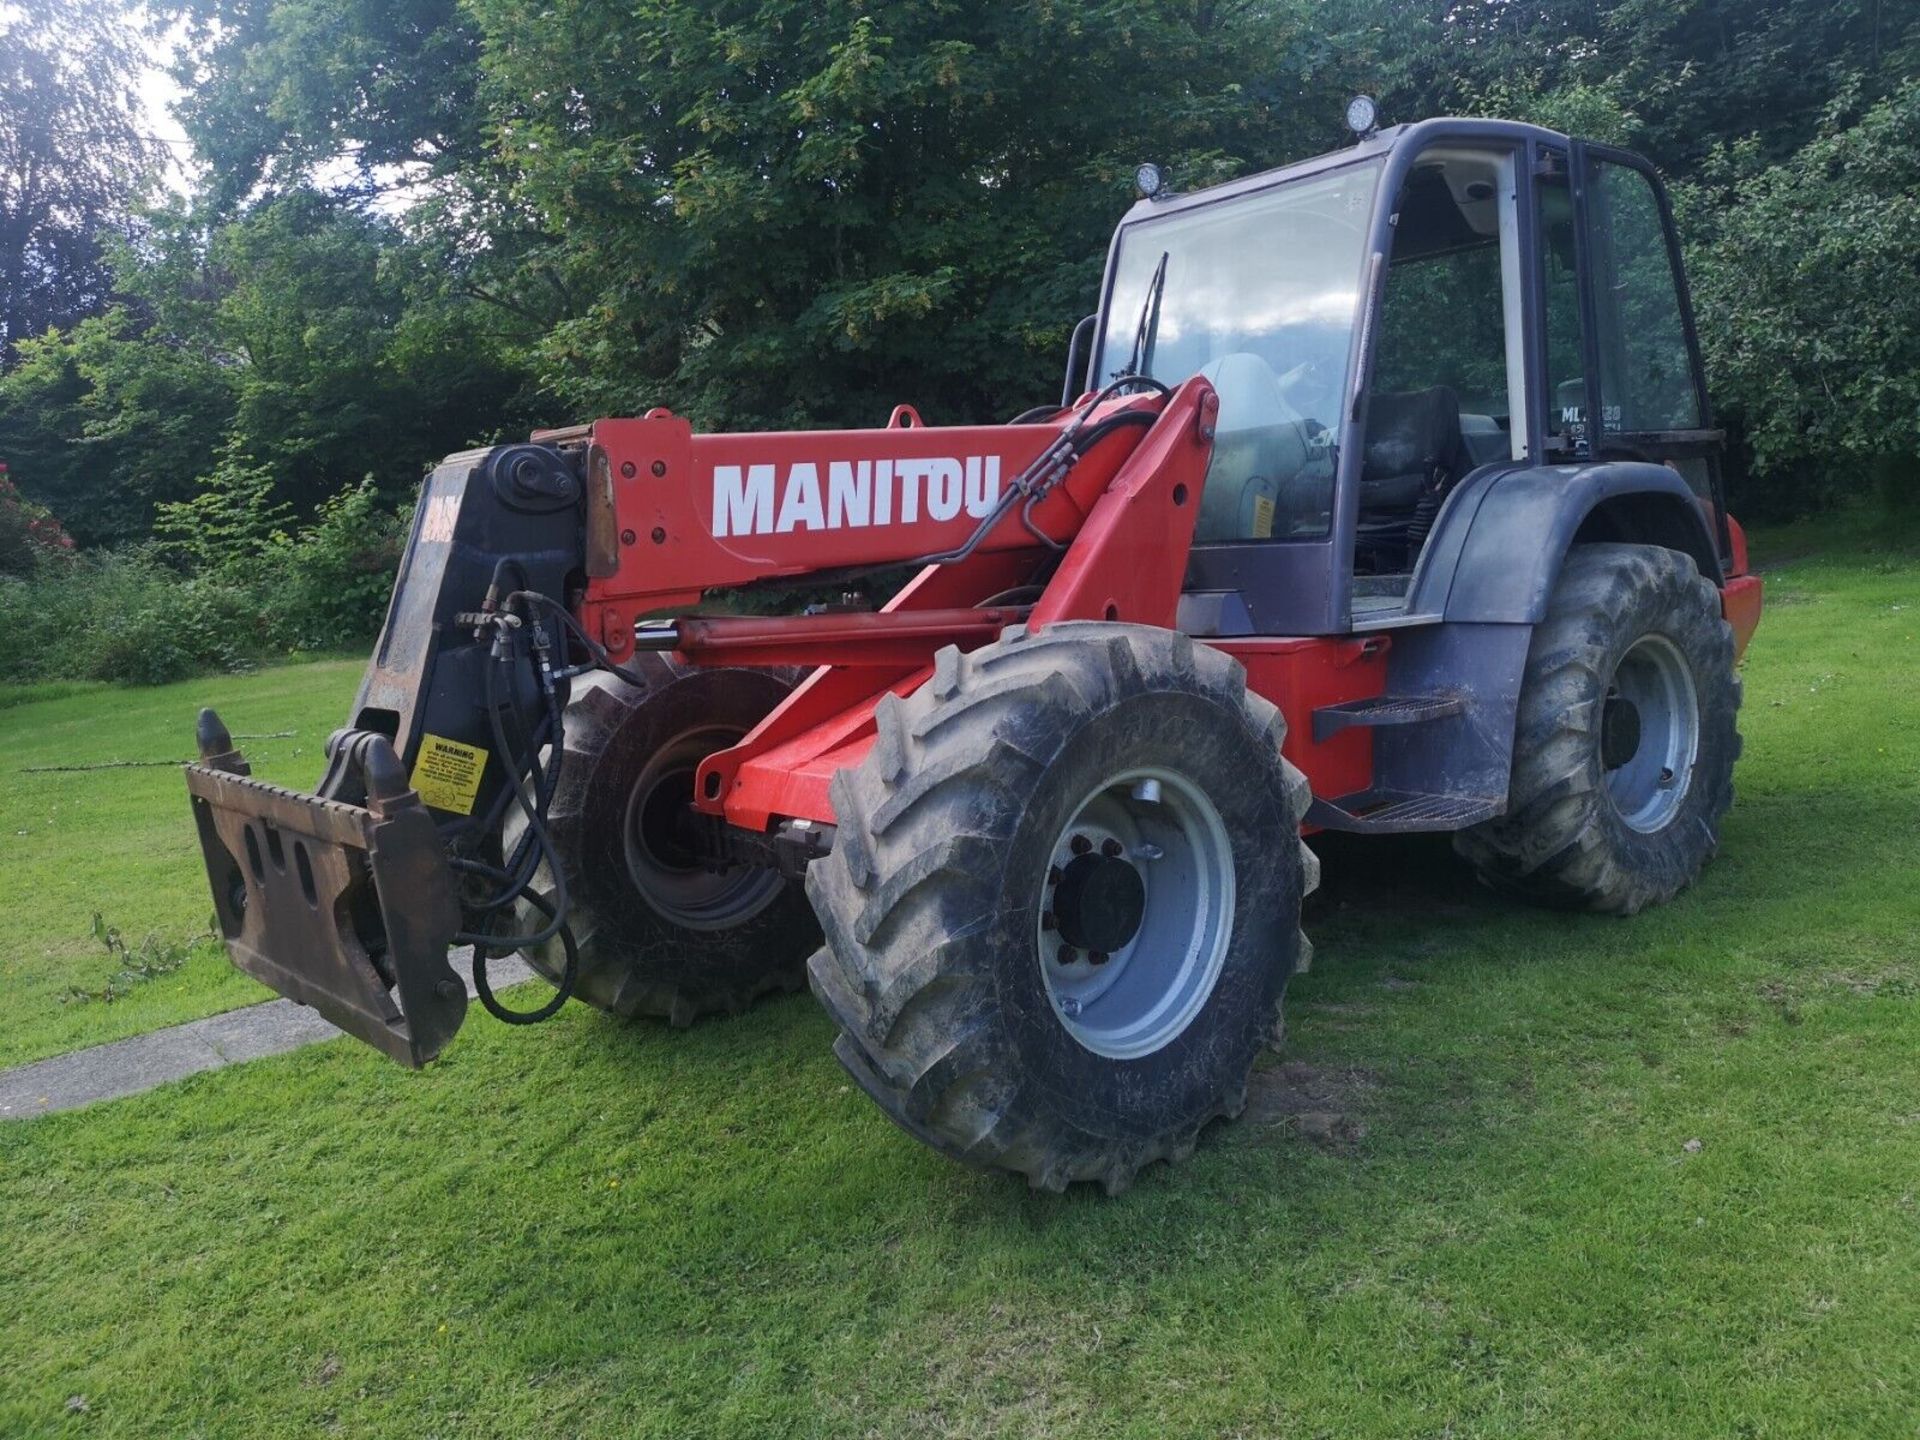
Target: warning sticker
[(1262, 518), (447, 774)]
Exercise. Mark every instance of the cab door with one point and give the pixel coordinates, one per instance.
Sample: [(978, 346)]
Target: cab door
[(1642, 392)]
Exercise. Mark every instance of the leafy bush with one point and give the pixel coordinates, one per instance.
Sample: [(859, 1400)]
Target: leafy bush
[(1807, 273), (122, 616), (228, 584), (226, 529), (329, 583)]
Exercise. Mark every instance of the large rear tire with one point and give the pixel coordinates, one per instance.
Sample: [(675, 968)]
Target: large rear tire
[(657, 933), (1063, 901), (1626, 738)]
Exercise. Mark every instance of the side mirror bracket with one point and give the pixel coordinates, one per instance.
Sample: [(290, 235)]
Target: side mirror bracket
[(1077, 357)]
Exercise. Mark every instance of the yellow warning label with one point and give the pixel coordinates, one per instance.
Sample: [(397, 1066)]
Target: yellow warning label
[(1262, 518), (447, 774)]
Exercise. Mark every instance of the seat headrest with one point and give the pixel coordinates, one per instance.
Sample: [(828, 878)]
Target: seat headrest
[(1412, 431)]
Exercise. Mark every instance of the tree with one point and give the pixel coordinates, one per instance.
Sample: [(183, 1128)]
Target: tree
[(109, 419), (72, 160), (802, 212), (1812, 278), (366, 92)]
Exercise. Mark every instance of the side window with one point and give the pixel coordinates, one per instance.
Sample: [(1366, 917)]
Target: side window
[(1565, 364), (1646, 375), (1441, 323), (1449, 313)]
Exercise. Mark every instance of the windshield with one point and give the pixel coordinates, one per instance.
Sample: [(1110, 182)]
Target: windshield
[(1259, 293)]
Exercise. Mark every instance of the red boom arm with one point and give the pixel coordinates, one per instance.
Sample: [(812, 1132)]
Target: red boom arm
[(673, 514)]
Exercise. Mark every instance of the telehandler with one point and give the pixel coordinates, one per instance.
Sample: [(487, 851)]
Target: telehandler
[(1382, 495)]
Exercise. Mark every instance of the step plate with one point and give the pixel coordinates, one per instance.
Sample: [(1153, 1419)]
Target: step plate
[(1389, 812), (1330, 720)]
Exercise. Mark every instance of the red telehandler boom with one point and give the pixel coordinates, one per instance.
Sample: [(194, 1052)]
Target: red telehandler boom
[(1382, 496)]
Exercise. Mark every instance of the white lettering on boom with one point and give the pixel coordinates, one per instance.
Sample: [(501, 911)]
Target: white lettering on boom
[(742, 503), (776, 500)]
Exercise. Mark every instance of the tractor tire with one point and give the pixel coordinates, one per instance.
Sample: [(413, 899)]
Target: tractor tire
[(1625, 740), (657, 934), (1063, 901)]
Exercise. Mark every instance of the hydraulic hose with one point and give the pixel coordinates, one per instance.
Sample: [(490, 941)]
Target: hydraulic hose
[(563, 991)]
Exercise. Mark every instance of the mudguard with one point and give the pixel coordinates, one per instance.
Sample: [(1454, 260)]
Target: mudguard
[(1498, 543)]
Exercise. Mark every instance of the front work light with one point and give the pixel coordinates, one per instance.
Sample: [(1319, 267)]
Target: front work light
[(1149, 180), (1363, 116)]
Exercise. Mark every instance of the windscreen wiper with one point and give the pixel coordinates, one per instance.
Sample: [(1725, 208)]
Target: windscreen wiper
[(1143, 337)]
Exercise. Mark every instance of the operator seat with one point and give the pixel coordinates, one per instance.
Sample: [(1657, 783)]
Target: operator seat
[(1413, 452), (1413, 447)]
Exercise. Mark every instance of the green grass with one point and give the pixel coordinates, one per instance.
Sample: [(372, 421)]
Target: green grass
[(119, 841), (601, 1229)]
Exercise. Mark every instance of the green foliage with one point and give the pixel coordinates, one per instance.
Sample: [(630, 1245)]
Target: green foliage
[(426, 224), (119, 616), (125, 616), (310, 337), (389, 81), (232, 580), (800, 213), (225, 529), (72, 159), (1808, 273), (110, 419), (332, 580), (153, 958)]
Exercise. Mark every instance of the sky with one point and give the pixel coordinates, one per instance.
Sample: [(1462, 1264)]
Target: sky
[(157, 94)]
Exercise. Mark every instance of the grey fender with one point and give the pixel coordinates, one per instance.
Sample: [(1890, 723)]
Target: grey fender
[(1498, 543)]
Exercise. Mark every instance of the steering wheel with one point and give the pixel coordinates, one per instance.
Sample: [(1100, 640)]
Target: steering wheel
[(1299, 375)]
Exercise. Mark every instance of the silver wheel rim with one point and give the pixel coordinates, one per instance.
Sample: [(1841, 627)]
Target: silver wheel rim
[(661, 861), (1147, 990), (1648, 780)]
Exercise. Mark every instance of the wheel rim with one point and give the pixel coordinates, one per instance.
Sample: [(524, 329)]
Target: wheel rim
[(658, 841), (1143, 866), (1650, 733)]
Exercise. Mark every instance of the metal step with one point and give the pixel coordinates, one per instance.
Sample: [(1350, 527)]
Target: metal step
[(1379, 812), (1330, 720)]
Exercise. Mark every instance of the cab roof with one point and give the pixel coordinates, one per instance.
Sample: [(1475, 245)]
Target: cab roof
[(1381, 143)]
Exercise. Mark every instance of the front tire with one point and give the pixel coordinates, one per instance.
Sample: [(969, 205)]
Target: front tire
[(1625, 741), (1063, 901)]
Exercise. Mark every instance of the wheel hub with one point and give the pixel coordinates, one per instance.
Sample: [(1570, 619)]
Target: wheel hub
[(1098, 902), (659, 843), (1135, 913), (1619, 731)]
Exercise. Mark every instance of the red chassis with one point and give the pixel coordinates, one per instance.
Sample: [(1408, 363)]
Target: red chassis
[(673, 514)]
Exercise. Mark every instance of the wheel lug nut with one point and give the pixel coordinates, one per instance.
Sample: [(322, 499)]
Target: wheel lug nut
[(1096, 957), (1067, 955), (1080, 844), (1110, 848), (1070, 1007), (1046, 920)]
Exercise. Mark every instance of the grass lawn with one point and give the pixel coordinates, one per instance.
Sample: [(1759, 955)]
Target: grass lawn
[(1518, 1173), (119, 841)]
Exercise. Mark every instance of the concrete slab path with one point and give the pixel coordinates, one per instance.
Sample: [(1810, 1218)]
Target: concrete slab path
[(140, 1062)]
